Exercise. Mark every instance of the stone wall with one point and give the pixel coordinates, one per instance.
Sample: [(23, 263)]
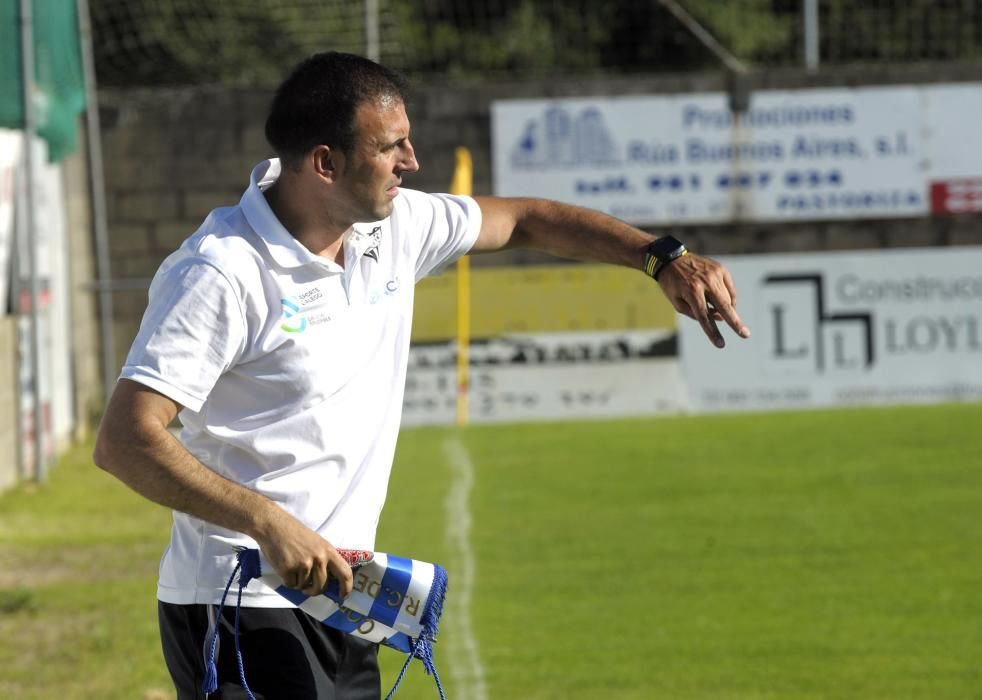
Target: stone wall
[(171, 156)]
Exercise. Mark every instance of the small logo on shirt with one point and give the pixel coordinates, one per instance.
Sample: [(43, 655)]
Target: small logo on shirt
[(310, 296), (391, 287), (376, 236), (294, 323)]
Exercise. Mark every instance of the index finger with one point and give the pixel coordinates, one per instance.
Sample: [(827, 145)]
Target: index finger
[(701, 312), (724, 302)]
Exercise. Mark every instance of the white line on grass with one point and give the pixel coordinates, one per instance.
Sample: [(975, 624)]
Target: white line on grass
[(465, 661)]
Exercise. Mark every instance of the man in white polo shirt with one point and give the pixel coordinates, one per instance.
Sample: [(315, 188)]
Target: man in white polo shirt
[(279, 331)]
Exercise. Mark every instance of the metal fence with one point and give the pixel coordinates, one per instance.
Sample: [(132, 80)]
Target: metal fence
[(251, 42)]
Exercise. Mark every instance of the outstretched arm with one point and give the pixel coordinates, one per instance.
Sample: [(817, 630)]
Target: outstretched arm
[(697, 286), (135, 446)]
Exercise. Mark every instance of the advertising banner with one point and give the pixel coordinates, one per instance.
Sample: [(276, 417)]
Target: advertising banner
[(549, 376), (847, 328), (51, 378), (794, 155)]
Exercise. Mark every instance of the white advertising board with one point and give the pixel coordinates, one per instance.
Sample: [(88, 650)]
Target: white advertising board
[(849, 328), (795, 155), (49, 239), (548, 376), (10, 147)]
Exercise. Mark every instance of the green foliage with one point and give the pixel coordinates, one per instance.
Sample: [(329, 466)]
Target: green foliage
[(916, 30), (750, 29), (254, 42), (528, 38), (248, 43), (522, 37)]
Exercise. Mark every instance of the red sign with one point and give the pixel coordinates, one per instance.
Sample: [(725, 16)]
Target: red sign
[(963, 196)]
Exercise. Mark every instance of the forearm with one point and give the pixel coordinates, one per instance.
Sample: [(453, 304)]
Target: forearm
[(152, 462), (696, 286), (147, 458), (562, 230), (136, 447)]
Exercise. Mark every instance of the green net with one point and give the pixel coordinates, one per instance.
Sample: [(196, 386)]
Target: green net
[(254, 42), (59, 94)]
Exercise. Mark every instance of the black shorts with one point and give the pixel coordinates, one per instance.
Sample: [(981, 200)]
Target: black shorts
[(285, 652)]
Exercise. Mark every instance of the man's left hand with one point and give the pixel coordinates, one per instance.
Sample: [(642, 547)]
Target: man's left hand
[(702, 288)]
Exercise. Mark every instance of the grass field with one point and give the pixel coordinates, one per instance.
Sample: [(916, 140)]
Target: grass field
[(803, 555)]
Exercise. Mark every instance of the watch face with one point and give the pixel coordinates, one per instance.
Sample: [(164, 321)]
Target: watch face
[(666, 248)]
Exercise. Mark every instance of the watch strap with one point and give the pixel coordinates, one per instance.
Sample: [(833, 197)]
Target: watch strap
[(655, 262)]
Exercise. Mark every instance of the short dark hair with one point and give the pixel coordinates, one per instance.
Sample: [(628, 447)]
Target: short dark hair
[(316, 103)]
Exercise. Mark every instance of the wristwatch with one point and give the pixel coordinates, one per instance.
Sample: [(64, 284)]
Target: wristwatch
[(661, 252)]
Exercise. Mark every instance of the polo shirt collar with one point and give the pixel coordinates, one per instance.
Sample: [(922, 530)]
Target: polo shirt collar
[(286, 250)]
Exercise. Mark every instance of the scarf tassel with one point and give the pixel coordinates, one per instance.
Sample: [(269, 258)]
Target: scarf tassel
[(210, 683), (422, 648)]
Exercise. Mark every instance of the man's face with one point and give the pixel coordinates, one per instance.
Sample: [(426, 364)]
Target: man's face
[(380, 155)]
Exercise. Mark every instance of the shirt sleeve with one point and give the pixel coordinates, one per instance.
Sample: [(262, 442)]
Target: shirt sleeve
[(444, 227), (193, 330)]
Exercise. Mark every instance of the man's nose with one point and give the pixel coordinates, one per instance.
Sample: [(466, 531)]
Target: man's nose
[(409, 163)]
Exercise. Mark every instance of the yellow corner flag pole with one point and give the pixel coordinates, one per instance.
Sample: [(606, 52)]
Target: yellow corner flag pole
[(462, 183)]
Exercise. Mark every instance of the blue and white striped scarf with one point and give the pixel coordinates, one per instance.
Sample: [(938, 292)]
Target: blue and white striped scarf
[(395, 601)]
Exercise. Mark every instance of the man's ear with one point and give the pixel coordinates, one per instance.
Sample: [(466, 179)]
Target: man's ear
[(327, 162)]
